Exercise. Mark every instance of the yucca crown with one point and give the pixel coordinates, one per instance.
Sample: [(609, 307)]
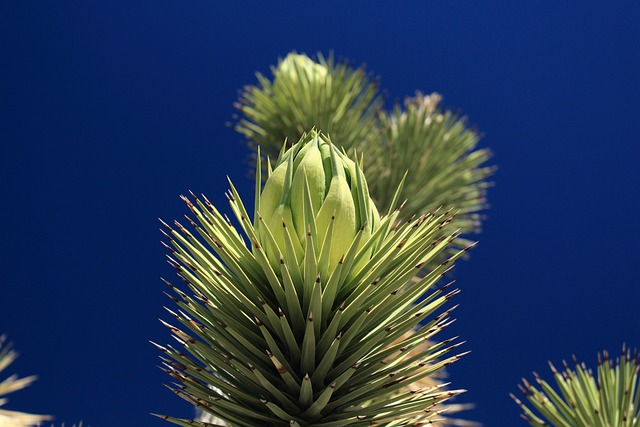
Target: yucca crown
[(328, 94), (310, 316)]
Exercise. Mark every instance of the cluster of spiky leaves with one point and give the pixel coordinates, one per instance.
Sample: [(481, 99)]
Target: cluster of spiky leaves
[(11, 384), (341, 100), (294, 346), (610, 400), (437, 151), (430, 382)]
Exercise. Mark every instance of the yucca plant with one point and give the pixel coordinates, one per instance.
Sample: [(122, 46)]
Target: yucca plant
[(333, 96), (610, 399), (308, 315), (9, 385)]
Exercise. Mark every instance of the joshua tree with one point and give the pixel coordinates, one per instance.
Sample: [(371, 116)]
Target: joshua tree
[(308, 316)]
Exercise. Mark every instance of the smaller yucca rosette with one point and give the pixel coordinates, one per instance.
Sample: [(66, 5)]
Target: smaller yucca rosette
[(305, 92), (314, 204)]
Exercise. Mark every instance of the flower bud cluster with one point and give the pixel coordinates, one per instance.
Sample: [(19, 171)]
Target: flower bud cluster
[(295, 63), (315, 194)]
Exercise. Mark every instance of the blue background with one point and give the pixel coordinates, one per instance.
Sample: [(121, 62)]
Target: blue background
[(111, 109)]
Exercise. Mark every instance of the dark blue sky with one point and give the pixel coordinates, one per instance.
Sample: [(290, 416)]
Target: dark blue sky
[(110, 110)]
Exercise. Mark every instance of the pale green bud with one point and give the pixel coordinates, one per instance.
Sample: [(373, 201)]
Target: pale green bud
[(315, 190), (295, 64)]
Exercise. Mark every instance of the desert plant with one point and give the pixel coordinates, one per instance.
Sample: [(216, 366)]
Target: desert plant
[(9, 385), (332, 96), (611, 399), (308, 316)]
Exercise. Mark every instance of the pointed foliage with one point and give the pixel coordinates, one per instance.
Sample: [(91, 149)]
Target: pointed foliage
[(438, 153), (607, 398), (303, 93), (269, 335)]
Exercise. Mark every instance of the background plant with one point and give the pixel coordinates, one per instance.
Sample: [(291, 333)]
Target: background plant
[(341, 100)]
